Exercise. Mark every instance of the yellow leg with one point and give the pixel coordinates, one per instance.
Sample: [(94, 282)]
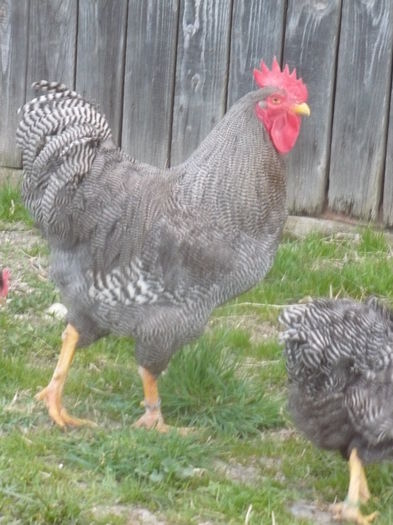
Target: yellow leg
[(358, 493), (152, 418), (364, 492), (52, 394)]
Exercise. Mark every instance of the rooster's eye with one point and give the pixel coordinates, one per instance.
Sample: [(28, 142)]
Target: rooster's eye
[(276, 100)]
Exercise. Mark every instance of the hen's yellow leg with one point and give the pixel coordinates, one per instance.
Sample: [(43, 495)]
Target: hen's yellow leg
[(364, 492), (52, 394), (358, 493), (152, 418)]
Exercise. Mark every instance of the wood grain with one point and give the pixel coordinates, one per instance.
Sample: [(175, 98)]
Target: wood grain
[(52, 42), (201, 73), (387, 204), (149, 79), (256, 34), (165, 72), (13, 46), (360, 111), (102, 26), (311, 35)]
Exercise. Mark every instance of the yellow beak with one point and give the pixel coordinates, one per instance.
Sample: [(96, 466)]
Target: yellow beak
[(302, 109)]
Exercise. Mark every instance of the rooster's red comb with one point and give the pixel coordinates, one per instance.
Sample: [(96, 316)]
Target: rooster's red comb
[(281, 79)]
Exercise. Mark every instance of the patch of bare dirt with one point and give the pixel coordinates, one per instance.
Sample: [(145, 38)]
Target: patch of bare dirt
[(133, 515), (313, 512), (283, 434), (251, 472), (18, 252), (259, 329)]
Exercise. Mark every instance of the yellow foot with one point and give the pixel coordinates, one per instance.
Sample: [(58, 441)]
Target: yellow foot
[(152, 419), (56, 411), (347, 512)]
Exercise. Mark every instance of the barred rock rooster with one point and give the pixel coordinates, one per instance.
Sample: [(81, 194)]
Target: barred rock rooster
[(339, 358), (4, 285), (148, 252)]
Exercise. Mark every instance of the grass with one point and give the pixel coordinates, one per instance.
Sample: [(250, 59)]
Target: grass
[(11, 206), (244, 457)]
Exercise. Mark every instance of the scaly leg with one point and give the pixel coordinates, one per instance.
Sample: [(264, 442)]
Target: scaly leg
[(358, 493), (364, 492), (52, 394), (152, 418)]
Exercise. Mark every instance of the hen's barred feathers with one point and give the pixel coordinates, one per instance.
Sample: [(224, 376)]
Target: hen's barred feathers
[(147, 252), (142, 251), (127, 286), (44, 118), (339, 357), (58, 130)]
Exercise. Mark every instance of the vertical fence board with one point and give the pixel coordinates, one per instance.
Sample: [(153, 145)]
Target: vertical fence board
[(165, 72), (13, 45), (360, 112), (52, 35), (257, 31), (387, 205), (311, 45), (149, 79), (201, 73), (101, 35)]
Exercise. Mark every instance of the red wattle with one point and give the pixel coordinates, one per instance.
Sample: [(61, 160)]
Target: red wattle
[(285, 131), (283, 128)]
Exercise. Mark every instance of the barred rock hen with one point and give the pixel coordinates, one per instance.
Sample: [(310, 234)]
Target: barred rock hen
[(148, 252), (339, 358)]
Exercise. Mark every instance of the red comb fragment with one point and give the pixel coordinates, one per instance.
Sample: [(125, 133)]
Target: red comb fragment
[(5, 275), (281, 79)]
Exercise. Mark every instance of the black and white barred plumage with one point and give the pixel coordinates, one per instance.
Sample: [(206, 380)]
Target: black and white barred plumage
[(339, 356), (142, 251)]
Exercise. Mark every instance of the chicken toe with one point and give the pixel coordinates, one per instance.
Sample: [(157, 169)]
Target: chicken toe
[(350, 513), (152, 418), (52, 394), (358, 492)]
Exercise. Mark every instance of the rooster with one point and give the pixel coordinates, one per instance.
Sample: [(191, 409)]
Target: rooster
[(4, 285), (148, 252), (339, 358)]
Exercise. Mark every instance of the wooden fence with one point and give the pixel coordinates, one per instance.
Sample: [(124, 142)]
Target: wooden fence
[(164, 72)]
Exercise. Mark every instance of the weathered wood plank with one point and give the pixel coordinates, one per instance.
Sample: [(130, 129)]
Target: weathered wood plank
[(13, 46), (149, 79), (10, 176), (387, 204), (185, 77), (52, 40), (201, 73), (360, 111), (311, 36), (257, 33), (100, 56)]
